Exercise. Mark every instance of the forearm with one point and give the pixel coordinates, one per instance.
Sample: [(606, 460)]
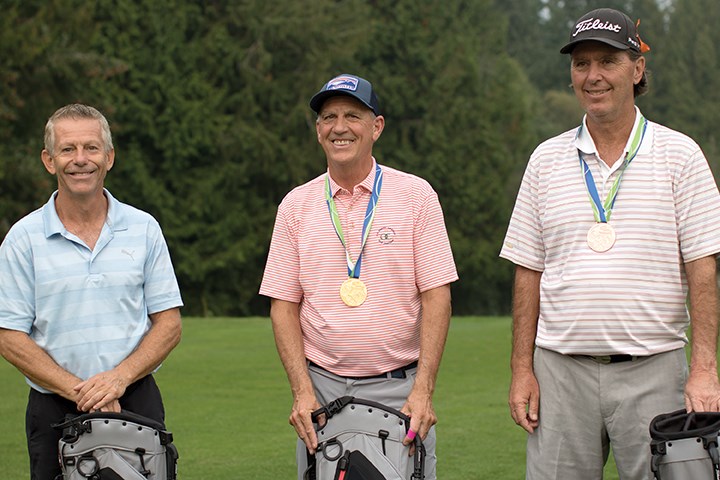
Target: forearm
[(436, 313), (285, 317), (163, 336), (33, 362), (701, 277), (103, 390), (526, 310), (524, 395)]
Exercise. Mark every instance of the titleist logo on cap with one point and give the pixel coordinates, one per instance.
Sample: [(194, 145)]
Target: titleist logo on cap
[(595, 24)]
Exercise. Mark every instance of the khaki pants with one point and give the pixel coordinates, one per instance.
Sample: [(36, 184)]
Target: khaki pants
[(586, 407)]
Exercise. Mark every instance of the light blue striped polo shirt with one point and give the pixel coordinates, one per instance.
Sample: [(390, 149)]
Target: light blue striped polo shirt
[(87, 308)]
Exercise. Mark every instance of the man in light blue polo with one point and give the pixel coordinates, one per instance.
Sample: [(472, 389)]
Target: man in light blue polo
[(89, 302)]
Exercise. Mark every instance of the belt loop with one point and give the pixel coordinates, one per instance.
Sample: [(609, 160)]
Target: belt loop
[(399, 373)]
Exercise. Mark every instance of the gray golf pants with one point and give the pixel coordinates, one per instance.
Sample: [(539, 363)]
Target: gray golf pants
[(587, 406), (390, 391)]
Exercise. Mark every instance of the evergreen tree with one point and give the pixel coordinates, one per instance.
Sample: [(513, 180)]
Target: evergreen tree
[(685, 93), (44, 67), (213, 128), (457, 114)]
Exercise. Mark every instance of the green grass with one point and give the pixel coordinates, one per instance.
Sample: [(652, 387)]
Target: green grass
[(227, 403)]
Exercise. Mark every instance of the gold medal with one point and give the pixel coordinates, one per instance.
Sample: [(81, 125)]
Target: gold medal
[(353, 292), (601, 237)]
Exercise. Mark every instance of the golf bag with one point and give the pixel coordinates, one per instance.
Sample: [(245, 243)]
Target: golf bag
[(362, 440), (115, 446), (684, 445)]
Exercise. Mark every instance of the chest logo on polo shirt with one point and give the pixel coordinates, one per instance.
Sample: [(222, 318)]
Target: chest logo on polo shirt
[(129, 253), (386, 235)]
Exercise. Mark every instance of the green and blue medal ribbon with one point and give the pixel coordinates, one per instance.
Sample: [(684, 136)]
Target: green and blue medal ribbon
[(354, 267), (603, 210)]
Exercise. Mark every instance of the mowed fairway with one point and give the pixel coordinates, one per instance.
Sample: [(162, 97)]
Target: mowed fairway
[(227, 403)]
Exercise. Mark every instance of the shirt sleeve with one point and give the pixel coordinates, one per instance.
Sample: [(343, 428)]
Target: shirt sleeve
[(17, 284), (161, 287), (697, 205), (281, 278), (523, 243), (434, 263)]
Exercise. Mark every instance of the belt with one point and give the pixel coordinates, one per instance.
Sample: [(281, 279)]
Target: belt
[(397, 373), (607, 359)]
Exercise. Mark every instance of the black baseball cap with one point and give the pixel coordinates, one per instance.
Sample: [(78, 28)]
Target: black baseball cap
[(350, 85), (608, 26)]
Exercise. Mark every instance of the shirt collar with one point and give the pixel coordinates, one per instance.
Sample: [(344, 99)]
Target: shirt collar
[(367, 183), (586, 145), (53, 225)]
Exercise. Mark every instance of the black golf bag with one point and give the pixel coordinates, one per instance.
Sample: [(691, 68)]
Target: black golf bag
[(115, 446), (684, 445), (362, 440)]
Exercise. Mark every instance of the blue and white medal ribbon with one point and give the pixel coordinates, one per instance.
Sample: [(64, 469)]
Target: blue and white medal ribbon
[(601, 236), (353, 290)]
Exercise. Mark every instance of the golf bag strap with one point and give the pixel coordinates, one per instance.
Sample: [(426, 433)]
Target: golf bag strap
[(655, 462), (332, 408), (74, 425), (310, 471), (710, 442), (419, 460)]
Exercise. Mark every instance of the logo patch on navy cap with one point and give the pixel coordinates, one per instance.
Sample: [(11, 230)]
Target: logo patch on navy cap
[(343, 83)]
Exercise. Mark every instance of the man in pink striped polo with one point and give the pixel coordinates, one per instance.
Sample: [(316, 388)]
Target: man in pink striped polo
[(614, 228), (359, 274)]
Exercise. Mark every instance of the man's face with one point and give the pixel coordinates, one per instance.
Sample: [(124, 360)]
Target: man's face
[(79, 160), (603, 78), (346, 130)]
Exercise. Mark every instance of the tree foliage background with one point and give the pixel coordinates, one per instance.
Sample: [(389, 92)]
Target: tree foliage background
[(208, 102)]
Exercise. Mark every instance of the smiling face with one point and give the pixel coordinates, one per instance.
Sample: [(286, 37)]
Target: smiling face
[(79, 158), (347, 130), (603, 78)]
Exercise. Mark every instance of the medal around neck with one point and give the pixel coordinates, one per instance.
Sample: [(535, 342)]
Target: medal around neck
[(601, 237), (353, 292)]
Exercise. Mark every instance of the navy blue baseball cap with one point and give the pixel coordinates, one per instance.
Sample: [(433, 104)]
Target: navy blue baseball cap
[(608, 26), (349, 85)]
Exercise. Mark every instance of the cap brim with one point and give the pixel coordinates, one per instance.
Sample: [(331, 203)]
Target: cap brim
[(570, 46), (317, 101)]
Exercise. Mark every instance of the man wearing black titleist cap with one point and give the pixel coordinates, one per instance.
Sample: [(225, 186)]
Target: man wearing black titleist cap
[(376, 332), (614, 228)]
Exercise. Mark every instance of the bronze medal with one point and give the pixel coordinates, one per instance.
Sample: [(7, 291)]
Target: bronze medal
[(353, 292), (601, 237)]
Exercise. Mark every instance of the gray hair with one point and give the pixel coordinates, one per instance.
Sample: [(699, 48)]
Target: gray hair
[(77, 111)]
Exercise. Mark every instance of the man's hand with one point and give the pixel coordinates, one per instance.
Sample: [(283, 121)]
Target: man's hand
[(524, 400), (702, 392), (419, 408), (101, 392), (113, 406), (300, 418)]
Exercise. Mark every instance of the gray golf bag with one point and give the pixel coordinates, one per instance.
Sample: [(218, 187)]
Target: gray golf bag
[(684, 445), (362, 440), (115, 446)]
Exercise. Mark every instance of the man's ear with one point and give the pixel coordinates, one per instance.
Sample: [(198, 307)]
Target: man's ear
[(111, 159), (639, 70), (378, 127), (48, 162)]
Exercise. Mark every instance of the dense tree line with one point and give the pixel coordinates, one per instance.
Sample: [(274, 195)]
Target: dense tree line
[(208, 105)]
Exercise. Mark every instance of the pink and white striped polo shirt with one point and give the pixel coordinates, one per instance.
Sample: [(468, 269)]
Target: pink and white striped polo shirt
[(630, 299), (407, 252)]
